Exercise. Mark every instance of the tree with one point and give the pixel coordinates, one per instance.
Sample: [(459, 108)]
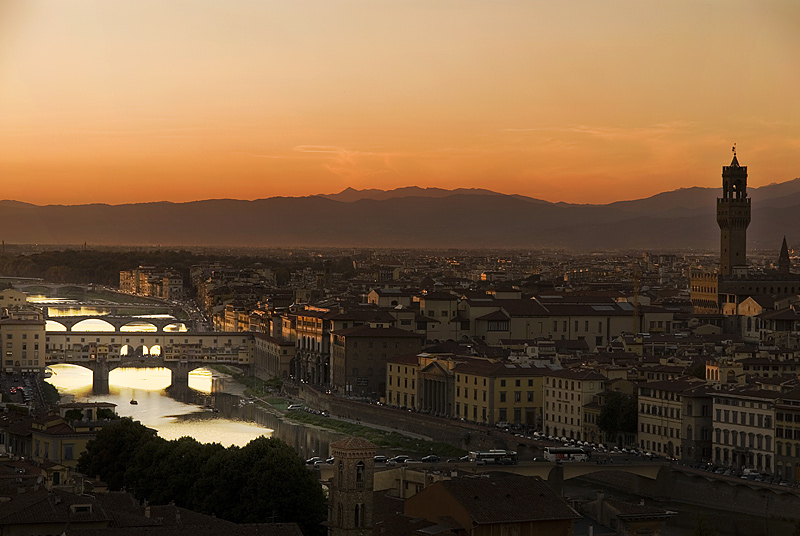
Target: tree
[(263, 481), (50, 393), (110, 453), (75, 414), (618, 415), (106, 414)]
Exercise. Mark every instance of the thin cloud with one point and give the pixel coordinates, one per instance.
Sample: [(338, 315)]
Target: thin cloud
[(613, 132)]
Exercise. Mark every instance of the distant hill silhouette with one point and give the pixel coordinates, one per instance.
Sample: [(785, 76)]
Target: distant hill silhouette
[(410, 217)]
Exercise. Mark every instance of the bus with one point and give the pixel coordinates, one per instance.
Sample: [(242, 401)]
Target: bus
[(505, 457), (566, 454)]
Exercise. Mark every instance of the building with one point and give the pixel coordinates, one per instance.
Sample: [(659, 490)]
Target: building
[(360, 354), (492, 392), (660, 413), (733, 217), (697, 423), (787, 436), (401, 381), (480, 390), (566, 392), (350, 507), (744, 428), (272, 357), (54, 440), (12, 298), (489, 506), (723, 290), (22, 331)]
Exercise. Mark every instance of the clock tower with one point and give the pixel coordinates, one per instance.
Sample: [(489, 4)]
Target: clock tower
[(733, 217)]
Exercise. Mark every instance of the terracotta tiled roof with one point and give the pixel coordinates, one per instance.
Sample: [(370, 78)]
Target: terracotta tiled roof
[(626, 509), (494, 315), (507, 499), (353, 443), (575, 374), (367, 331)]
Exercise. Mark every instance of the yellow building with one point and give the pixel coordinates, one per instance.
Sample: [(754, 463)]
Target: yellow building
[(660, 414), (492, 392), (272, 357), (53, 440), (22, 330), (566, 393), (486, 391), (401, 381)]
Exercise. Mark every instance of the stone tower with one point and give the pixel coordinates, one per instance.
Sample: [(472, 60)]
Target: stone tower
[(784, 264), (733, 217), (350, 501)]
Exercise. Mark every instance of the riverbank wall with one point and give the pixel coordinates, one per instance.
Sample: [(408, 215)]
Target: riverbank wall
[(691, 487), (458, 434)]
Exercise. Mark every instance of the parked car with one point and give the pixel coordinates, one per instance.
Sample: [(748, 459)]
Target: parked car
[(380, 459), (294, 407), (312, 460), (431, 458)]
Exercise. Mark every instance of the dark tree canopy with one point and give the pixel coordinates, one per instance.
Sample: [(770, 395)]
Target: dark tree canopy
[(618, 415), (258, 483), (75, 414)]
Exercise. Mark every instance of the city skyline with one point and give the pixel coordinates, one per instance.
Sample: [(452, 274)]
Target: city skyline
[(136, 102)]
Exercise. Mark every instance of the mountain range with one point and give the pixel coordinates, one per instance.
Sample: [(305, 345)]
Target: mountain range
[(411, 217)]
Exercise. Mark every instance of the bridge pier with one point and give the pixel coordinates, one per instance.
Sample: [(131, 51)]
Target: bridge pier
[(180, 374), (555, 480), (100, 378)]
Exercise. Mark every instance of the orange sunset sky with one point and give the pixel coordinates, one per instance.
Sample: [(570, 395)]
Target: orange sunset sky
[(120, 101)]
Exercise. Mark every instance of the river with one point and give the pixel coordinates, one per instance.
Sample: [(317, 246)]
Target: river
[(173, 414), (178, 412)]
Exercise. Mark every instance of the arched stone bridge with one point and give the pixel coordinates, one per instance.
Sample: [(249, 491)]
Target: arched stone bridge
[(181, 352), (118, 322), (180, 368), (35, 286)]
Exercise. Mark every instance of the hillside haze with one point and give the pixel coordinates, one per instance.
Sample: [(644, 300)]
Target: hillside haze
[(410, 217)]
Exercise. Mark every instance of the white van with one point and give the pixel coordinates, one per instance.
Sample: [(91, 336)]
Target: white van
[(294, 406)]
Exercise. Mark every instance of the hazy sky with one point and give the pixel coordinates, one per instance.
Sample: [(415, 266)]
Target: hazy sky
[(121, 101)]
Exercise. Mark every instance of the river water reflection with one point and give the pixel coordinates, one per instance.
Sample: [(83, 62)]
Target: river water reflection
[(172, 412)]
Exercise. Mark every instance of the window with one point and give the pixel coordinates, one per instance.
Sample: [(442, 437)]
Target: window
[(360, 474), (502, 398), (359, 515)]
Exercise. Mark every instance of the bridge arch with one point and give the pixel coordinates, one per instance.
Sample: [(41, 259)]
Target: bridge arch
[(93, 324), (139, 325), (55, 325), (33, 289)]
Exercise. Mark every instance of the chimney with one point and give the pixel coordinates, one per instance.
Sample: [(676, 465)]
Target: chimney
[(147, 511)]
